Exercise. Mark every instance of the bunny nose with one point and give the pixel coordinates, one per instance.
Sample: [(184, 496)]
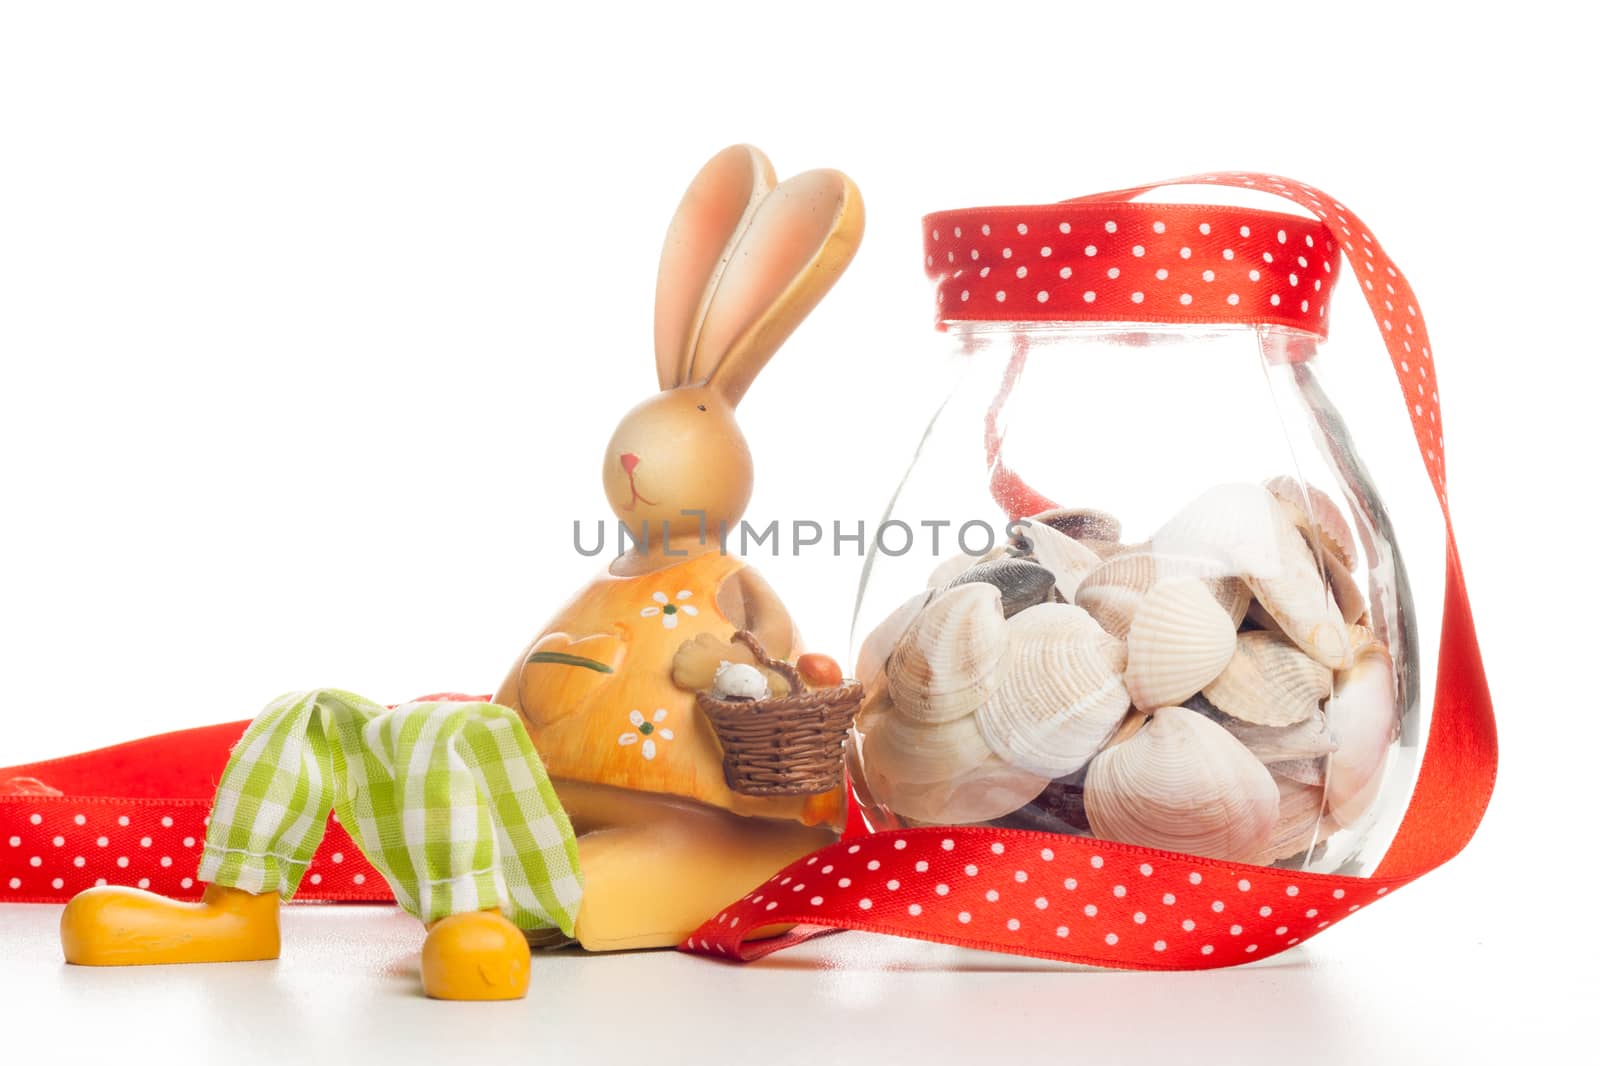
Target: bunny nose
[(629, 461)]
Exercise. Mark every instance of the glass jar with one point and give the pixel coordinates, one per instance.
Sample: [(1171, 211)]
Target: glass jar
[(1168, 605)]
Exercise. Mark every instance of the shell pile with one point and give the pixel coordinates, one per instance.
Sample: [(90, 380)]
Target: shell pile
[(1215, 690)]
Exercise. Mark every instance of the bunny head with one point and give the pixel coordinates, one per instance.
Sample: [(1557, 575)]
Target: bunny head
[(746, 259)]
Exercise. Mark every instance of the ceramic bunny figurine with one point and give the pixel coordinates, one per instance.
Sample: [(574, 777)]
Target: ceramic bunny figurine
[(663, 840)]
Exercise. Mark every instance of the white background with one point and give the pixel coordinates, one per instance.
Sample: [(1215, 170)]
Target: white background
[(315, 318)]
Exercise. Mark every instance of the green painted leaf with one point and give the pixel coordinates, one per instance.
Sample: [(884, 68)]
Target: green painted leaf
[(561, 658)]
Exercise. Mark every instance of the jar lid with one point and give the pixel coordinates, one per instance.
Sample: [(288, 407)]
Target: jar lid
[(1115, 261)]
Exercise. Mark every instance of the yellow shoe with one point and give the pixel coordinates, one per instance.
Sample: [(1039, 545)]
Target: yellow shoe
[(478, 955), (116, 926)]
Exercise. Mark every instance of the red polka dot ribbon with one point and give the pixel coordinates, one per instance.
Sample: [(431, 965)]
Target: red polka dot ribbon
[(1100, 258)]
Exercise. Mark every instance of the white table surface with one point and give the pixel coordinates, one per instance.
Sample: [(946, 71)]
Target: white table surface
[(1416, 980)]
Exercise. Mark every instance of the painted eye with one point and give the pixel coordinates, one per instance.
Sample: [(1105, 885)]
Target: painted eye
[(700, 406)]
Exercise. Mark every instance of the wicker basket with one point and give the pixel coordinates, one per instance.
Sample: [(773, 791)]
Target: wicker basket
[(790, 746)]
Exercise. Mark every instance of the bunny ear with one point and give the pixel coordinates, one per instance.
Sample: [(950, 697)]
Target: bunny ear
[(802, 237), (714, 211)]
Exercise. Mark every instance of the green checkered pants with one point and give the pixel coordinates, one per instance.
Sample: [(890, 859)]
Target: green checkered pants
[(447, 800)]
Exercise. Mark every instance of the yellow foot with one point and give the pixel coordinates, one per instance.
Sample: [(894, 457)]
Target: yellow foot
[(115, 926), (478, 955)]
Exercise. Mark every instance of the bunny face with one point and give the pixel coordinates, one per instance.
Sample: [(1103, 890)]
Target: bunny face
[(680, 450)]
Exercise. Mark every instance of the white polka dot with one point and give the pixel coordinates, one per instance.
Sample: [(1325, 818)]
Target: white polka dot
[(79, 819), (1244, 886), (1119, 891), (1042, 296), (1013, 925), (1186, 299), (1282, 929), (1292, 890), (865, 904), (1208, 949), (992, 896), (1005, 253), (188, 842), (1216, 905), (1096, 861), (1022, 229), (964, 295), (1338, 893), (1194, 878), (1188, 925), (816, 901), (1208, 276), (121, 819), (16, 882), (1061, 931), (1136, 297), (1161, 945), (1255, 275), (1169, 899), (1249, 948), (1070, 884), (337, 856), (1235, 930), (963, 917), (914, 910), (1065, 227), (122, 861), (187, 882), (1090, 250), (1145, 869), (144, 882), (1160, 227), (78, 861), (1312, 913), (1047, 855), (144, 842), (985, 229), (1244, 231), (1184, 253), (36, 861), (1138, 917), (1113, 273), (101, 842), (36, 819), (58, 841), (922, 866), (16, 842), (941, 890), (1044, 253), (892, 885), (1022, 272), (1227, 253), (1138, 251), (166, 822), (899, 845), (1020, 876), (1265, 912), (1041, 903), (1111, 227), (971, 870), (1205, 227), (1161, 274), (1283, 238), (1091, 910), (1088, 297), (56, 883), (1275, 300), (844, 882)]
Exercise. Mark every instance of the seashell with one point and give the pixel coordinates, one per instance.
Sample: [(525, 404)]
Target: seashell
[(950, 659), (902, 751), (1304, 771), (1068, 560), (1182, 783), (1269, 681), (1345, 589), (958, 564), (1363, 716), (1180, 640), (1360, 636), (991, 790), (881, 642), (1023, 583), (1317, 515), (1112, 591), (1244, 529), (1082, 523), (1062, 694), (1309, 739), (1299, 814)]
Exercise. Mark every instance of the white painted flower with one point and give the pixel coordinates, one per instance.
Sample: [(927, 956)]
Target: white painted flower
[(668, 610), (647, 730)]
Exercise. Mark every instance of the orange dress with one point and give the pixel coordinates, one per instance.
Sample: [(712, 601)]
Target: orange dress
[(596, 691)]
